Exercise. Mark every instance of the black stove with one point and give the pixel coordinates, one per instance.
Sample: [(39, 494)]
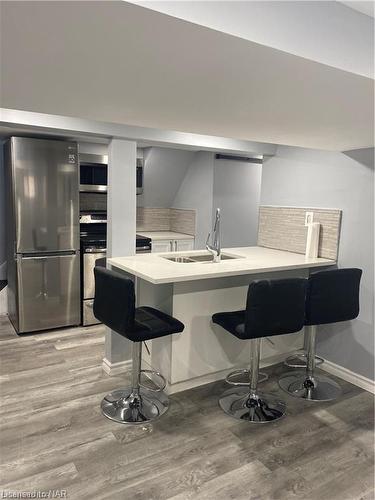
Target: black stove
[(142, 244)]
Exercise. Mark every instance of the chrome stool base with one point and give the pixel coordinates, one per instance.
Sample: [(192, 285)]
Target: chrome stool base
[(316, 388), (239, 403), (129, 407), (299, 360)]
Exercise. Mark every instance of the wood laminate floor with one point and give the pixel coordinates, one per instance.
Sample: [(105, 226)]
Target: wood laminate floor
[(53, 436)]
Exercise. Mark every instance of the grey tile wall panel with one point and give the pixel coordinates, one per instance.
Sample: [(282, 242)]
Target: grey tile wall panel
[(166, 219), (283, 228)]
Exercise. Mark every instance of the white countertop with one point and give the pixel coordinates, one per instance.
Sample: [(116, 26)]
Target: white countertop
[(154, 268), (165, 235)]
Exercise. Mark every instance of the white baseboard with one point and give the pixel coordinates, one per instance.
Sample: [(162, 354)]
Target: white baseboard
[(349, 376), (365, 383), (113, 369), (215, 377)]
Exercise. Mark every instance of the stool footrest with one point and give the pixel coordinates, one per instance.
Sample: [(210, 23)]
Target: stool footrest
[(159, 388), (299, 360), (228, 379)]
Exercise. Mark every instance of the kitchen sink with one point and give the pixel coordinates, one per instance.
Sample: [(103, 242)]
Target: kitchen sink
[(209, 258), (204, 257), (178, 259)]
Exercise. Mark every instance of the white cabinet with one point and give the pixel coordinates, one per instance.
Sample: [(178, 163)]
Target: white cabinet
[(172, 245), (161, 246), (184, 245)]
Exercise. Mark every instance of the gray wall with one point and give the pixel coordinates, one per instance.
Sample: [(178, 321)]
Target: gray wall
[(2, 216), (236, 191), (303, 177), (164, 171), (196, 191), (230, 185)]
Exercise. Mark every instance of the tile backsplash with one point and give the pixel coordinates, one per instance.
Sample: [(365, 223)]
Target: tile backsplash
[(283, 228), (166, 219)]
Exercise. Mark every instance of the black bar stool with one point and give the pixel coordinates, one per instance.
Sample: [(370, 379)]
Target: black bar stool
[(332, 296), (274, 307), (114, 305)]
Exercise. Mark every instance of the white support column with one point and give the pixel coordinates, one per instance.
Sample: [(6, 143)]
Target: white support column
[(121, 229)]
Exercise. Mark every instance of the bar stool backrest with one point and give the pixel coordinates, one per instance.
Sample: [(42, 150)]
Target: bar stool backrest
[(114, 302), (275, 307), (333, 296)]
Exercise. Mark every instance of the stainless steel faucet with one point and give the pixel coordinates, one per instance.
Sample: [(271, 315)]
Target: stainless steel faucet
[(215, 248)]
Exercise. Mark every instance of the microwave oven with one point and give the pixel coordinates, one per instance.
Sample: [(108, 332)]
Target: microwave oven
[(93, 175)]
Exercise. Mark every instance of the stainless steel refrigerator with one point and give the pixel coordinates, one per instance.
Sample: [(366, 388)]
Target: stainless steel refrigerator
[(42, 179)]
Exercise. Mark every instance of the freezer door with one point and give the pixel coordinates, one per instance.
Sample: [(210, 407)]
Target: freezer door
[(49, 292), (45, 192)]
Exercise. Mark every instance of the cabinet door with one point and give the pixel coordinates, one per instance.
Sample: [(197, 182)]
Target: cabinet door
[(184, 245), (161, 246)]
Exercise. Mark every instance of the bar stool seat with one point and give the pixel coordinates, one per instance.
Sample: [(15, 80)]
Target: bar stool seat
[(114, 306), (150, 323), (233, 322)]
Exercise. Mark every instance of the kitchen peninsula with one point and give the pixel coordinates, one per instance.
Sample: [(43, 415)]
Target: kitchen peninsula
[(191, 289)]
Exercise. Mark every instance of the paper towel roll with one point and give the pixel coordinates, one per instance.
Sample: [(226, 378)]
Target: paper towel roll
[(312, 243)]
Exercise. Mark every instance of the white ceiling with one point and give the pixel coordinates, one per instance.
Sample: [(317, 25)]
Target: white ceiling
[(323, 31), (121, 63), (367, 8)]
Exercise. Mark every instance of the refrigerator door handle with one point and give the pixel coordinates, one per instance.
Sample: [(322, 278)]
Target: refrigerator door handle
[(46, 255)]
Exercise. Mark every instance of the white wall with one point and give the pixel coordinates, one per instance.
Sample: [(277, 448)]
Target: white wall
[(236, 191), (303, 177), (324, 31), (164, 170)]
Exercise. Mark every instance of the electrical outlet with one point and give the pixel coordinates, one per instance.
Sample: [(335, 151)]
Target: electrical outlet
[(309, 218)]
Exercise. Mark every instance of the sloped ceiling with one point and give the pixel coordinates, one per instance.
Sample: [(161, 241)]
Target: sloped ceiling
[(121, 63), (324, 31)]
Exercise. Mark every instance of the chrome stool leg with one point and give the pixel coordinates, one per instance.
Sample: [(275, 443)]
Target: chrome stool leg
[(137, 404), (246, 403), (299, 358), (308, 385)]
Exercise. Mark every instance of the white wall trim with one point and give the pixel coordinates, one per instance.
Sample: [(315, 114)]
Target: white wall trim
[(51, 124), (349, 376), (217, 376), (121, 367), (113, 369)]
